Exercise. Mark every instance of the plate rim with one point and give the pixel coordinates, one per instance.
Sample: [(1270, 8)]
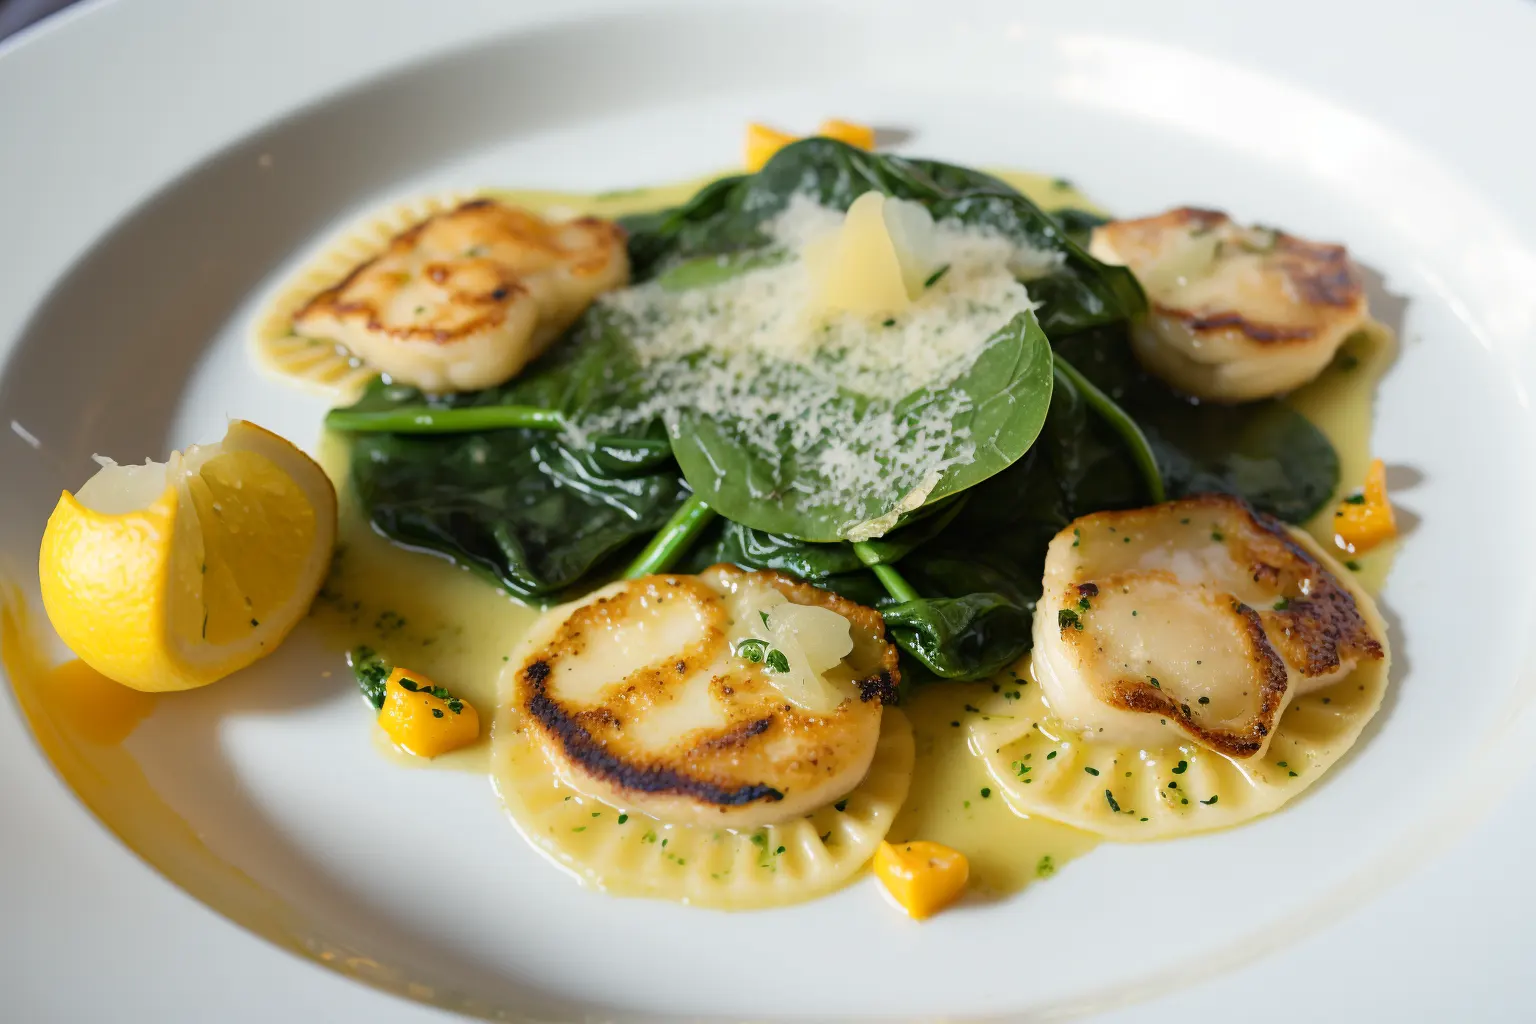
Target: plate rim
[(56, 37)]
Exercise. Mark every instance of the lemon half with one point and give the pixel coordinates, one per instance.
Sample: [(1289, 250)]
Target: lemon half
[(172, 575)]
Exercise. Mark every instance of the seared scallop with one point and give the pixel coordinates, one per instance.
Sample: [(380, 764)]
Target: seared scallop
[(1192, 620), (729, 698), (464, 299), (1236, 313)]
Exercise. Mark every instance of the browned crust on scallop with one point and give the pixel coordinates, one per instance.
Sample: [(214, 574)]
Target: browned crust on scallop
[(1321, 273), (1131, 693), (489, 303), (585, 737), (1318, 629)]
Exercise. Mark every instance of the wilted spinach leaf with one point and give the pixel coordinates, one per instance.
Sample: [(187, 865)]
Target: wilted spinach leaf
[(781, 490), (732, 214), (592, 367), (519, 506), (1264, 452), (1079, 224), (370, 670), (1005, 394), (973, 636)]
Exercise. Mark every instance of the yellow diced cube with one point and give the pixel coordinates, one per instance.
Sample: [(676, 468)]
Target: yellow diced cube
[(424, 719), (762, 143), (851, 132), (922, 877), (1364, 521)]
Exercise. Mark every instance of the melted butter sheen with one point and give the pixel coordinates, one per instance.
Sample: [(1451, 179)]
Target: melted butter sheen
[(1341, 403), (422, 612), (418, 611), (955, 801)]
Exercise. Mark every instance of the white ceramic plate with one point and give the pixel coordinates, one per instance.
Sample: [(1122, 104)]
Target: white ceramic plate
[(160, 160)]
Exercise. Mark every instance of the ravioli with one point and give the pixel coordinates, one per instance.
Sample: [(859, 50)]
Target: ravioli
[(325, 366), (727, 699), (1196, 664), (628, 853), (1237, 313), (445, 294)]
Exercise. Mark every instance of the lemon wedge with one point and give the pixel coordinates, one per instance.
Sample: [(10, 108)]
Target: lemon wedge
[(172, 575)]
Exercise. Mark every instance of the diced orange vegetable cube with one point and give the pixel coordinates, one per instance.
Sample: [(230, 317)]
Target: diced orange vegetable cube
[(851, 132), (1365, 520), (762, 143), (424, 719), (922, 877)]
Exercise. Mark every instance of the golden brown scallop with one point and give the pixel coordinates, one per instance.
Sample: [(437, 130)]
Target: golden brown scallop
[(729, 698), (464, 299), (1236, 313), (1197, 618)]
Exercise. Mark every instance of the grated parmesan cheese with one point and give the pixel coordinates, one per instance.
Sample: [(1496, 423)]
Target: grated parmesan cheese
[(861, 400)]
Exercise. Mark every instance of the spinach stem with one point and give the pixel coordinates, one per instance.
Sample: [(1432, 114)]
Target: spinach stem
[(890, 578), (1120, 420), (420, 419), (672, 540)]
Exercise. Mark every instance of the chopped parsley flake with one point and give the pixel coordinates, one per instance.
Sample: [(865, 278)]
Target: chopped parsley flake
[(1091, 771), (752, 650), (1181, 768), (1110, 798)]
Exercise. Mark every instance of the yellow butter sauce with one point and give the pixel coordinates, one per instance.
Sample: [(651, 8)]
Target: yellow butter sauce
[(418, 611), (954, 799), (1340, 402)]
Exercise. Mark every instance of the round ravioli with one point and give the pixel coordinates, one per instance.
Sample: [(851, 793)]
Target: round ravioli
[(443, 295), (718, 739), (725, 699), (1196, 665), (629, 853), (328, 367)]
